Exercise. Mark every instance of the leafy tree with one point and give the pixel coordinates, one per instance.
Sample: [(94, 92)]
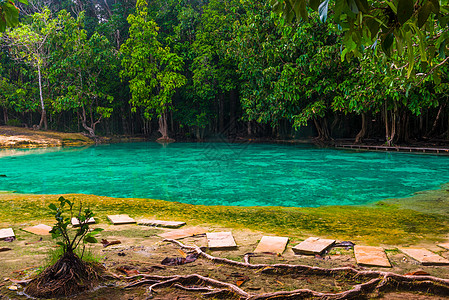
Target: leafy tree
[(30, 43), (154, 72), (79, 65), (214, 77), (290, 73)]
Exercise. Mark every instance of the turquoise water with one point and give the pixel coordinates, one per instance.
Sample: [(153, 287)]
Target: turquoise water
[(223, 174)]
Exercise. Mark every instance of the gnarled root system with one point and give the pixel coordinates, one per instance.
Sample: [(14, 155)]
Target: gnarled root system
[(68, 276), (373, 283)]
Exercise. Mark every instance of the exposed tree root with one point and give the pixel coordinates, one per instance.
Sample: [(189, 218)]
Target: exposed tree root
[(375, 283), (68, 276)]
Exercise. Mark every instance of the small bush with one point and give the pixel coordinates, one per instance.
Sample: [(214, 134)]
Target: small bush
[(14, 122), (69, 275)]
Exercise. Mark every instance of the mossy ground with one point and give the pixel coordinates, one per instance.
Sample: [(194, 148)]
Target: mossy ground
[(388, 222)]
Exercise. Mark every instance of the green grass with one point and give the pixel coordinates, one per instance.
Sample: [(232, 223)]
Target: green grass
[(384, 223)]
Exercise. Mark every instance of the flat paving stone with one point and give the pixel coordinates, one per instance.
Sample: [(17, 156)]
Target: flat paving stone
[(75, 221), (425, 256), (160, 223), (121, 219), (40, 229), (272, 244), (371, 256), (220, 240), (444, 245), (313, 245), (183, 233), (6, 233)]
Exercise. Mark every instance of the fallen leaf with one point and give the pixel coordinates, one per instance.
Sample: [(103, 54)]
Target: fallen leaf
[(242, 280), (279, 282), (418, 273), (183, 254), (263, 269), (106, 243)]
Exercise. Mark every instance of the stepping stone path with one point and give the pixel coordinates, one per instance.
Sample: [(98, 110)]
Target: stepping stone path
[(313, 245), (220, 240), (160, 223), (272, 244), (121, 219), (6, 233), (371, 256), (40, 229), (183, 233), (445, 246), (75, 221), (425, 256)]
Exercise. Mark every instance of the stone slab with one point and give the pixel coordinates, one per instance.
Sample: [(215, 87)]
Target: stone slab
[(444, 245), (313, 245), (425, 256), (75, 221), (183, 233), (272, 244), (121, 219), (40, 229), (371, 256), (220, 240), (160, 223), (6, 233)]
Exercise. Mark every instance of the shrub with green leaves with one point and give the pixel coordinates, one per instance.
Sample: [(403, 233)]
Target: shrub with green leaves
[(72, 239)]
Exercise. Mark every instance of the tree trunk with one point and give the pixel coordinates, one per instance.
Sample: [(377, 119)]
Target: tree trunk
[(43, 120), (250, 131), (232, 109), (91, 130), (163, 129), (391, 137), (435, 123), (125, 126), (387, 126), (221, 114), (362, 131), (5, 115)]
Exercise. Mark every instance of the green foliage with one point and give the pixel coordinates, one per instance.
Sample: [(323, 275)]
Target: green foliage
[(401, 27), (79, 66), (9, 14), (63, 214), (14, 122), (154, 72)]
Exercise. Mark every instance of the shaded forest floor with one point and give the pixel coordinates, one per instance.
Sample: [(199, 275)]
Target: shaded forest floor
[(419, 221)]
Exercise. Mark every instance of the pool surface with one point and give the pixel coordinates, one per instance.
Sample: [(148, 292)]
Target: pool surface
[(223, 174)]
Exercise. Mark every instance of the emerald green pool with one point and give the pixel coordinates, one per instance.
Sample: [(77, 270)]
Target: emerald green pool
[(223, 174)]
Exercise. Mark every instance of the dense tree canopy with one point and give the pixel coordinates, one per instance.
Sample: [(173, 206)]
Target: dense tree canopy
[(198, 69)]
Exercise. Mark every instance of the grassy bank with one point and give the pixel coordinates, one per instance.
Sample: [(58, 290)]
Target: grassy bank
[(389, 222)]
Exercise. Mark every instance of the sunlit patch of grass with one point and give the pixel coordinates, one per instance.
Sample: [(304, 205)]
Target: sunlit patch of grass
[(384, 223)]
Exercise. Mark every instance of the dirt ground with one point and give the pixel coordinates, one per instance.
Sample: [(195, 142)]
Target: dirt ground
[(141, 251)]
